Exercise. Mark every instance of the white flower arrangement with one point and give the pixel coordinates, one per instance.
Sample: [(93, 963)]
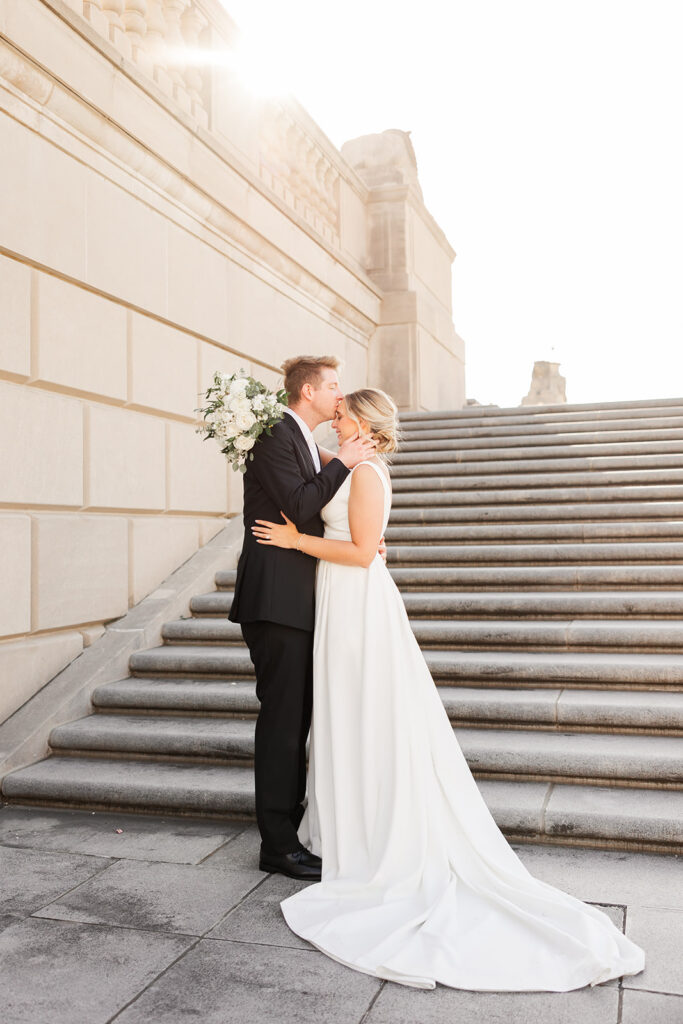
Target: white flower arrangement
[(239, 410)]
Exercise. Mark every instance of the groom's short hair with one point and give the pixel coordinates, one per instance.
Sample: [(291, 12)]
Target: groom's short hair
[(305, 370)]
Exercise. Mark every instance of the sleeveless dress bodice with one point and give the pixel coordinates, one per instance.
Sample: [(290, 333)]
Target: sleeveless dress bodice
[(335, 515)]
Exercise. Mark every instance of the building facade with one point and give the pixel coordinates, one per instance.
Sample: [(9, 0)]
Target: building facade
[(158, 222)]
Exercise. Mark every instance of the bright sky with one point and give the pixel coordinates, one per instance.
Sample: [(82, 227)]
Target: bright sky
[(549, 141)]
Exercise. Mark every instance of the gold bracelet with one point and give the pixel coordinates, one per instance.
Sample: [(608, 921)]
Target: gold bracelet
[(298, 543)]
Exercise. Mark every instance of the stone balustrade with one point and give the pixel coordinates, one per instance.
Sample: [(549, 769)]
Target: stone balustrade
[(154, 34), (295, 167), (176, 43)]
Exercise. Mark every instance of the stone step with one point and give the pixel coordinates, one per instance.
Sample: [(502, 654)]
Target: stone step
[(560, 553), (195, 696), (659, 428), (601, 604), (538, 577), (202, 630), (528, 532), (490, 495), (515, 577), (514, 466), (582, 634), (619, 817), (520, 438), (226, 578), (601, 409), (550, 755), (537, 453), (622, 711), (587, 512), (619, 418), (459, 479), (641, 671), (547, 605)]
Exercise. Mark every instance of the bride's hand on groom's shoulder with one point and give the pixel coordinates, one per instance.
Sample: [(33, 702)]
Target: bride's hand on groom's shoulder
[(382, 549), (355, 450)]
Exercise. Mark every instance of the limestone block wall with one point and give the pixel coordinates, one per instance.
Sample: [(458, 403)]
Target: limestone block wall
[(158, 222)]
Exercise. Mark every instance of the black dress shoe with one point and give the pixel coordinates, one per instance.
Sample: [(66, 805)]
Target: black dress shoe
[(300, 864)]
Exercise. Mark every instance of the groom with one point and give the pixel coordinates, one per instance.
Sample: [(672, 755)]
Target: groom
[(275, 597)]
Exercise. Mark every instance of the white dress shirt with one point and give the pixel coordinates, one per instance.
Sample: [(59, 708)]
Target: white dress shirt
[(308, 437)]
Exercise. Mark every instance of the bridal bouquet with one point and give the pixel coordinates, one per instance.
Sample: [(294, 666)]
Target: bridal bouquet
[(239, 409)]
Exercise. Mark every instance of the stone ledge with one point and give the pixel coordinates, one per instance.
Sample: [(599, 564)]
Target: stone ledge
[(24, 736)]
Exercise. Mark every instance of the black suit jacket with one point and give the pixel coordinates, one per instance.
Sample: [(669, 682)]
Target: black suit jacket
[(278, 584)]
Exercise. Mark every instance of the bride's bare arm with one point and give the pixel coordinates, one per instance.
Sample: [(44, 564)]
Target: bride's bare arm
[(366, 513)]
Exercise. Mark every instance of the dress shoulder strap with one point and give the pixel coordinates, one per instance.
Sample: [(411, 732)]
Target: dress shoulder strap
[(379, 471)]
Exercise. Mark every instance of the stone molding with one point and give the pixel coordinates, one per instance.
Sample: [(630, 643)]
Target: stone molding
[(294, 112), (64, 106)]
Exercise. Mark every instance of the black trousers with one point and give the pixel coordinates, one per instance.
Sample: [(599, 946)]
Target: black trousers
[(283, 660)]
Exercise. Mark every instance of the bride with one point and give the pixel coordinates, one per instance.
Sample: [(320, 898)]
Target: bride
[(418, 885)]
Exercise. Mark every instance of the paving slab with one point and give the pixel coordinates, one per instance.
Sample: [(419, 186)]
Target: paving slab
[(59, 972), (235, 982), (259, 918), (397, 1004), (143, 837), (6, 920), (29, 879), (660, 932), (608, 876), (183, 898), (241, 853), (651, 1008)]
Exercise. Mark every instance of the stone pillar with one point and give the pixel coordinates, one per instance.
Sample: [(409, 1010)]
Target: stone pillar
[(414, 353), (548, 386)]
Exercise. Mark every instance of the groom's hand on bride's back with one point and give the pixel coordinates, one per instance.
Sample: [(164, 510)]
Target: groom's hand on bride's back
[(355, 450)]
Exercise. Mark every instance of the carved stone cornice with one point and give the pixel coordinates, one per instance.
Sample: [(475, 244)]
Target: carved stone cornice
[(65, 105), (294, 166)]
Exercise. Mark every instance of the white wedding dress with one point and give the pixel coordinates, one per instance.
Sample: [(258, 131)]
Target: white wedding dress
[(418, 883)]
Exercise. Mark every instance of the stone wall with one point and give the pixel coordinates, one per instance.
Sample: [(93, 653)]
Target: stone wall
[(157, 222)]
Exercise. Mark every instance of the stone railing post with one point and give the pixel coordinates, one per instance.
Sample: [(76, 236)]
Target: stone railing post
[(174, 9), (113, 10), (93, 12), (193, 23), (134, 19), (155, 44)]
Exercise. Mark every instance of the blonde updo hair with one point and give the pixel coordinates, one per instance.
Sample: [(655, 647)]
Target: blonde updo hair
[(379, 412)]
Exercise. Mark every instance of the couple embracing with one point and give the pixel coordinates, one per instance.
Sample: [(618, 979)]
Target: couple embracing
[(414, 882)]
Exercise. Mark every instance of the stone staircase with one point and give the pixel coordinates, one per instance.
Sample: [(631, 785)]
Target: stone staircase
[(539, 552)]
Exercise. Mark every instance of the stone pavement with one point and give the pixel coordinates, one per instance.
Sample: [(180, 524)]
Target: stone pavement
[(148, 920)]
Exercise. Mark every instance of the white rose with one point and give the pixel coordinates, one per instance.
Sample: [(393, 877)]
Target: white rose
[(229, 427), (238, 386), (257, 403), (244, 444), (239, 403), (245, 420)]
